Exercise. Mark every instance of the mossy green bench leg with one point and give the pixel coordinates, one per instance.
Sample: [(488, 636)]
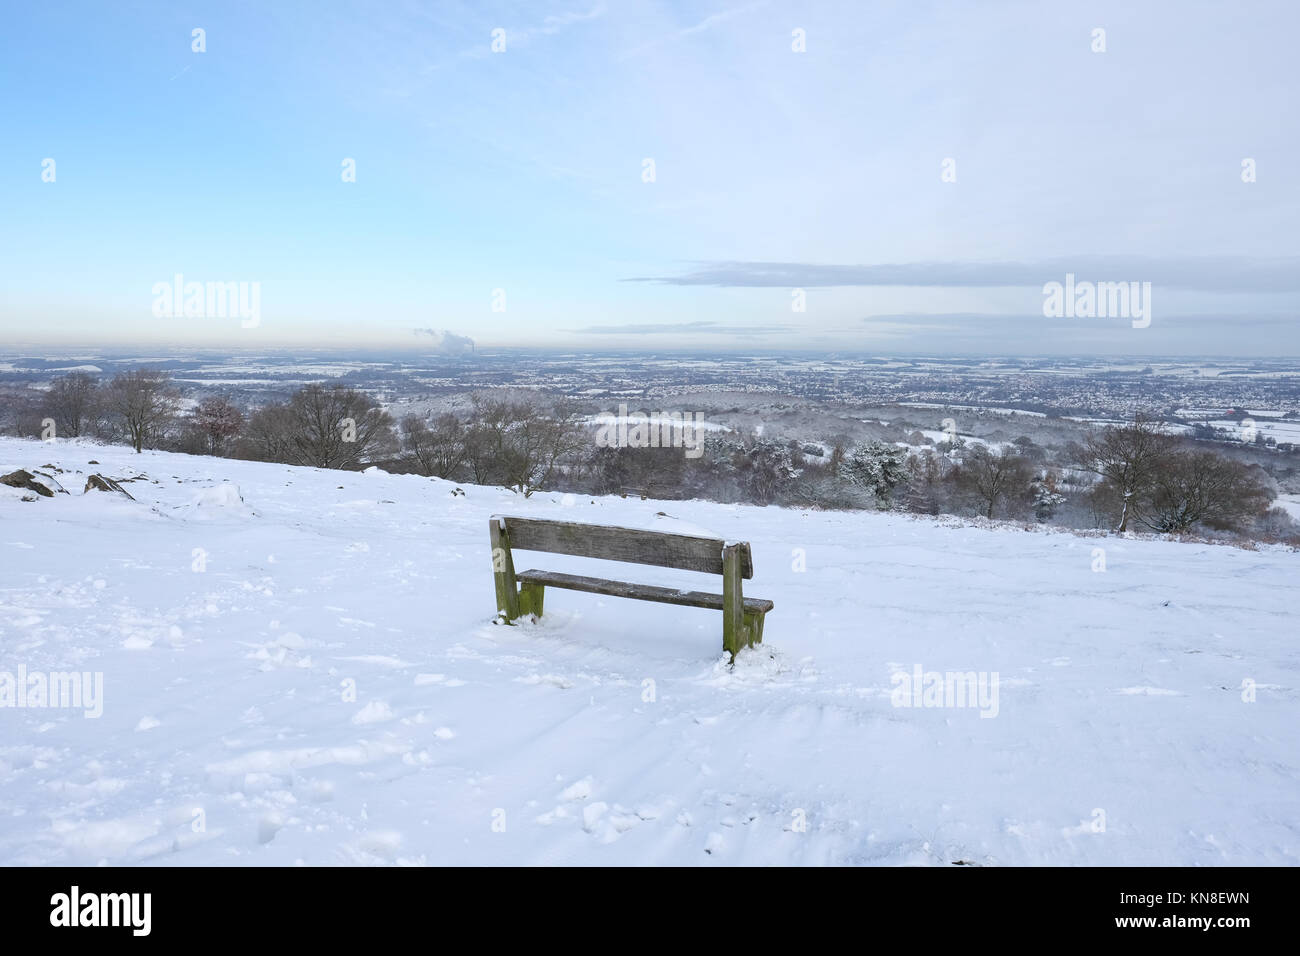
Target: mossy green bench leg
[(503, 573), (734, 620), (531, 597), (754, 626)]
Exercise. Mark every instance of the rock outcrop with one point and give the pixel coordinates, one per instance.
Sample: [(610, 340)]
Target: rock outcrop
[(27, 481), (100, 483)]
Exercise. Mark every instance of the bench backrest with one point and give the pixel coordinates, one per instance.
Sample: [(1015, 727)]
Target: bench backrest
[(634, 545)]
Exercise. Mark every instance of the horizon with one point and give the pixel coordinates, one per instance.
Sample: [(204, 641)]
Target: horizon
[(28, 350)]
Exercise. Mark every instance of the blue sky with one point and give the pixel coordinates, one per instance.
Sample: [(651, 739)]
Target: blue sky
[(774, 169)]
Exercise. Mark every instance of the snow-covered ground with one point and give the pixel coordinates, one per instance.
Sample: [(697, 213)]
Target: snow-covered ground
[(1289, 503), (311, 675), (1280, 431)]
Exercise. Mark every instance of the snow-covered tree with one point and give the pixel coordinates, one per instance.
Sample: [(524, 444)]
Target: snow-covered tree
[(878, 468), (1047, 497), (770, 468)]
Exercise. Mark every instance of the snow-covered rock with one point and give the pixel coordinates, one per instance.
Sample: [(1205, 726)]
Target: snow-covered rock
[(24, 480), (108, 485)]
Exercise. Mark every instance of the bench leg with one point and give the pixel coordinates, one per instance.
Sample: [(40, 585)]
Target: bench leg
[(531, 597), (503, 573), (733, 602), (754, 626)]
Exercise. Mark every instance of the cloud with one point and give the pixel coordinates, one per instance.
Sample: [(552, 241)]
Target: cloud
[(448, 342), (1203, 273), (720, 17), (553, 24), (708, 23), (680, 328), (1030, 333), (522, 36)]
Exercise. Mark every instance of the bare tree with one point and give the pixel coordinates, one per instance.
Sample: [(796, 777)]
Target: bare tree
[(336, 427), (520, 440), (438, 450), (995, 476), (144, 403), (839, 448), (71, 402), (268, 435), (218, 421), (925, 492), (1202, 486), (1128, 458)]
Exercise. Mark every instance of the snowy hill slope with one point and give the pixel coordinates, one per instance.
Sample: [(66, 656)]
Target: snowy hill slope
[(230, 631)]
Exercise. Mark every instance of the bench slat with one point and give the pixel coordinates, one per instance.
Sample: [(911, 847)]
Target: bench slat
[(635, 545), (640, 592)]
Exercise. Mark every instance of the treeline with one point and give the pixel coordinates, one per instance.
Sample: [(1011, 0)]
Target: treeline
[(326, 427), (520, 440), (1125, 478), (141, 408)]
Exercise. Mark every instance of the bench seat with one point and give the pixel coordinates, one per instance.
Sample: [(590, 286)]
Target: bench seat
[(640, 592)]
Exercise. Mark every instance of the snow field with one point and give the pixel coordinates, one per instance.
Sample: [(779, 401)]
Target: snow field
[(299, 666)]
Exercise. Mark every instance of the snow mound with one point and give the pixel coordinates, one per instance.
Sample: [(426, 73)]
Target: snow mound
[(223, 500)]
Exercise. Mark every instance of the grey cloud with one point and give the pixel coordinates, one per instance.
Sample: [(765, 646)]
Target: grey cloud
[(1203, 273), (923, 320), (449, 342), (689, 328), (991, 333)]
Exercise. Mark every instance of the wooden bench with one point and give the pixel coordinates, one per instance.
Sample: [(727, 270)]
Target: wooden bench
[(520, 594)]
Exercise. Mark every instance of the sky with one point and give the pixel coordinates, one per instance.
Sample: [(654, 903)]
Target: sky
[(892, 177)]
